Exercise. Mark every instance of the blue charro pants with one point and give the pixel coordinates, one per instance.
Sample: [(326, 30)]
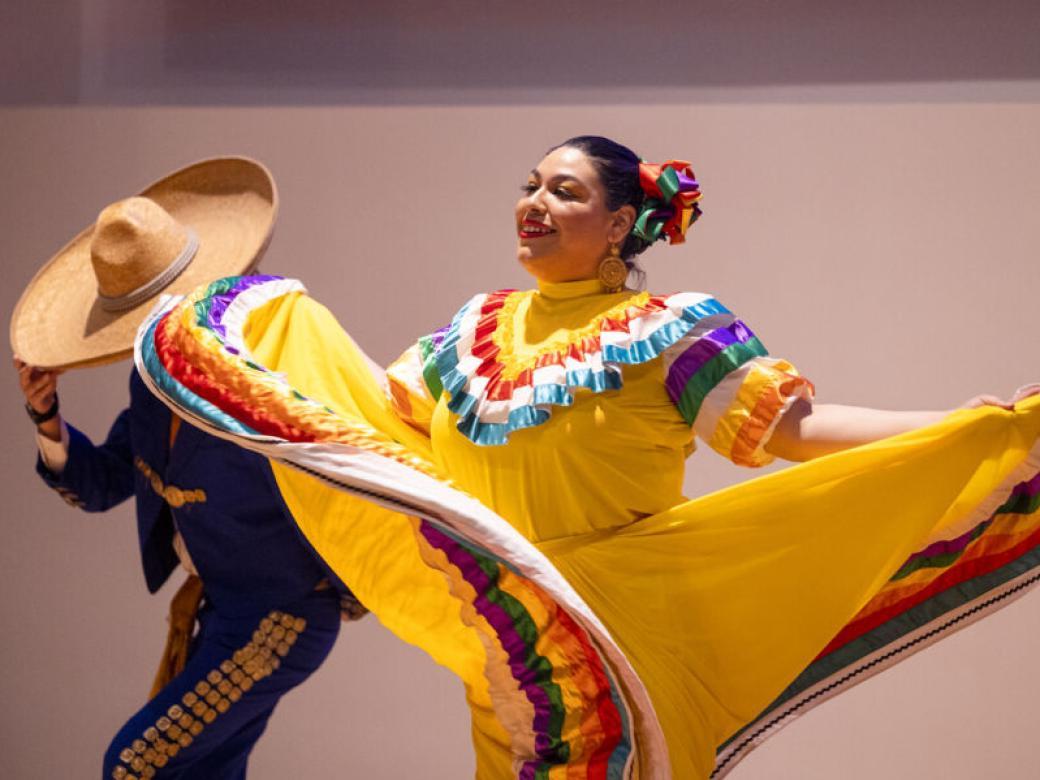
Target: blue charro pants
[(205, 722)]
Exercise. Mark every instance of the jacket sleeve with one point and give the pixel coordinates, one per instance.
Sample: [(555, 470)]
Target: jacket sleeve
[(95, 477)]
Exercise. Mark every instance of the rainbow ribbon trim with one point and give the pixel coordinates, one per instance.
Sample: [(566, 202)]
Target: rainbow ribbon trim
[(940, 589), (522, 617), (494, 395), (549, 658), (706, 350)]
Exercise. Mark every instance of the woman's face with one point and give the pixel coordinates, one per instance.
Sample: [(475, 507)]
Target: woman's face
[(564, 226)]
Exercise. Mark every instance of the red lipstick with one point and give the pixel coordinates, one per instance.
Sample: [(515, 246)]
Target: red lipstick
[(532, 229)]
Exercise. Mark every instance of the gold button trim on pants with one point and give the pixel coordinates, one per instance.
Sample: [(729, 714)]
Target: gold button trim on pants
[(211, 696)]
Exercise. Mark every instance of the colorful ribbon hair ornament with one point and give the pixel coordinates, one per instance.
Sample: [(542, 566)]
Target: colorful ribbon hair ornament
[(672, 195)]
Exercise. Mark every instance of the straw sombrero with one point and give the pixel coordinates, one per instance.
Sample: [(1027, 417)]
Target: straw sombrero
[(203, 222)]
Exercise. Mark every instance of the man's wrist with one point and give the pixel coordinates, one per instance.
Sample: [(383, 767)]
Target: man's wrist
[(39, 418)]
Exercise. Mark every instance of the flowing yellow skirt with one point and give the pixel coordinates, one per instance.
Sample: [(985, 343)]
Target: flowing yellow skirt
[(668, 648)]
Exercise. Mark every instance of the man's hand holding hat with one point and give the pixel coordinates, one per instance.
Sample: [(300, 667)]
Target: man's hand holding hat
[(40, 387)]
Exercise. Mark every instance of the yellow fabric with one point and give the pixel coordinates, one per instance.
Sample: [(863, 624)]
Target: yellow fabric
[(301, 338), (574, 473), (718, 602)]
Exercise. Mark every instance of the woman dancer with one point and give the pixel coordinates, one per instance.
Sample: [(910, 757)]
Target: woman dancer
[(604, 625)]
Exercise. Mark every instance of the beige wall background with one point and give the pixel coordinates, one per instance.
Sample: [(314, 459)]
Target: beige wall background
[(871, 178)]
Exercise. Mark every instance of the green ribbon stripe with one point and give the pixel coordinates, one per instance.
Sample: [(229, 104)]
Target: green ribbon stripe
[(431, 375), (528, 632), (713, 372), (1022, 504)]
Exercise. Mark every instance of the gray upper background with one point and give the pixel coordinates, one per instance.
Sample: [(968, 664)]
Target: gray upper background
[(312, 52)]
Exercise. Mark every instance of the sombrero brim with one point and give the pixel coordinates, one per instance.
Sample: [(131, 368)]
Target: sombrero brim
[(230, 202)]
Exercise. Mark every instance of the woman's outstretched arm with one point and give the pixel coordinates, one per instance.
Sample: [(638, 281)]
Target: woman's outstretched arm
[(810, 430)]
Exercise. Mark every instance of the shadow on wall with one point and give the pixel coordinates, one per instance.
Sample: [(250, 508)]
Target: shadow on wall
[(318, 51)]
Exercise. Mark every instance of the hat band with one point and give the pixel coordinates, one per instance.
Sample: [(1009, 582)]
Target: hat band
[(150, 288)]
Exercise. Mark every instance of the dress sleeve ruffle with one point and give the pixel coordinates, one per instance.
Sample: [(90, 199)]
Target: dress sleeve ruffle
[(727, 387), (413, 385)]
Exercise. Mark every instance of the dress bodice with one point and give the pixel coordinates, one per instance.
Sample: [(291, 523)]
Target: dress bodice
[(569, 410), (607, 459)]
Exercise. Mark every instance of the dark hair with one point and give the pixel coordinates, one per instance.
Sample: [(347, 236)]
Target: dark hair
[(618, 169)]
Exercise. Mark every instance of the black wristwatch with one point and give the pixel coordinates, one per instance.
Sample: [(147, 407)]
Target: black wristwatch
[(39, 418)]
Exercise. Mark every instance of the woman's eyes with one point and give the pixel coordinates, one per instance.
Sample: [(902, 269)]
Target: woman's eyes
[(561, 192)]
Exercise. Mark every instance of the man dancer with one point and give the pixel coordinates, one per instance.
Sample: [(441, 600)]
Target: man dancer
[(268, 617)]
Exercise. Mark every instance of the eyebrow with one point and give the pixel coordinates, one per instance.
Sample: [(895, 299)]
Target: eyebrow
[(559, 176)]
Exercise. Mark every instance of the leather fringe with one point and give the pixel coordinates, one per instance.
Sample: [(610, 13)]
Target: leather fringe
[(184, 609)]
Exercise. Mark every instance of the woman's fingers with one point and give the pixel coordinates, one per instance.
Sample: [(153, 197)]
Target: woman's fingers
[(987, 400), (992, 400), (1025, 392)]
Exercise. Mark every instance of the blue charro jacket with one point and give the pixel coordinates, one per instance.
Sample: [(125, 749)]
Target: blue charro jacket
[(240, 536)]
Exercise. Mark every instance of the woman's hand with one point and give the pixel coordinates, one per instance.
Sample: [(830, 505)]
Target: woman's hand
[(986, 400), (40, 388), (991, 400), (1025, 391)]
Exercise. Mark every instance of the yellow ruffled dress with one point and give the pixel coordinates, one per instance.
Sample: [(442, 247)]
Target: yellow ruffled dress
[(648, 635)]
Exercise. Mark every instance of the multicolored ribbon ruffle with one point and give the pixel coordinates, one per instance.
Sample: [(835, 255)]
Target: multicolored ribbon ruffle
[(671, 205)]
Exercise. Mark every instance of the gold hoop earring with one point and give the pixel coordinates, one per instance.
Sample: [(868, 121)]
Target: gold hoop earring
[(612, 271)]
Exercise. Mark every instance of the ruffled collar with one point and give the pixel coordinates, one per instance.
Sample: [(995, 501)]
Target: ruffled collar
[(494, 391)]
